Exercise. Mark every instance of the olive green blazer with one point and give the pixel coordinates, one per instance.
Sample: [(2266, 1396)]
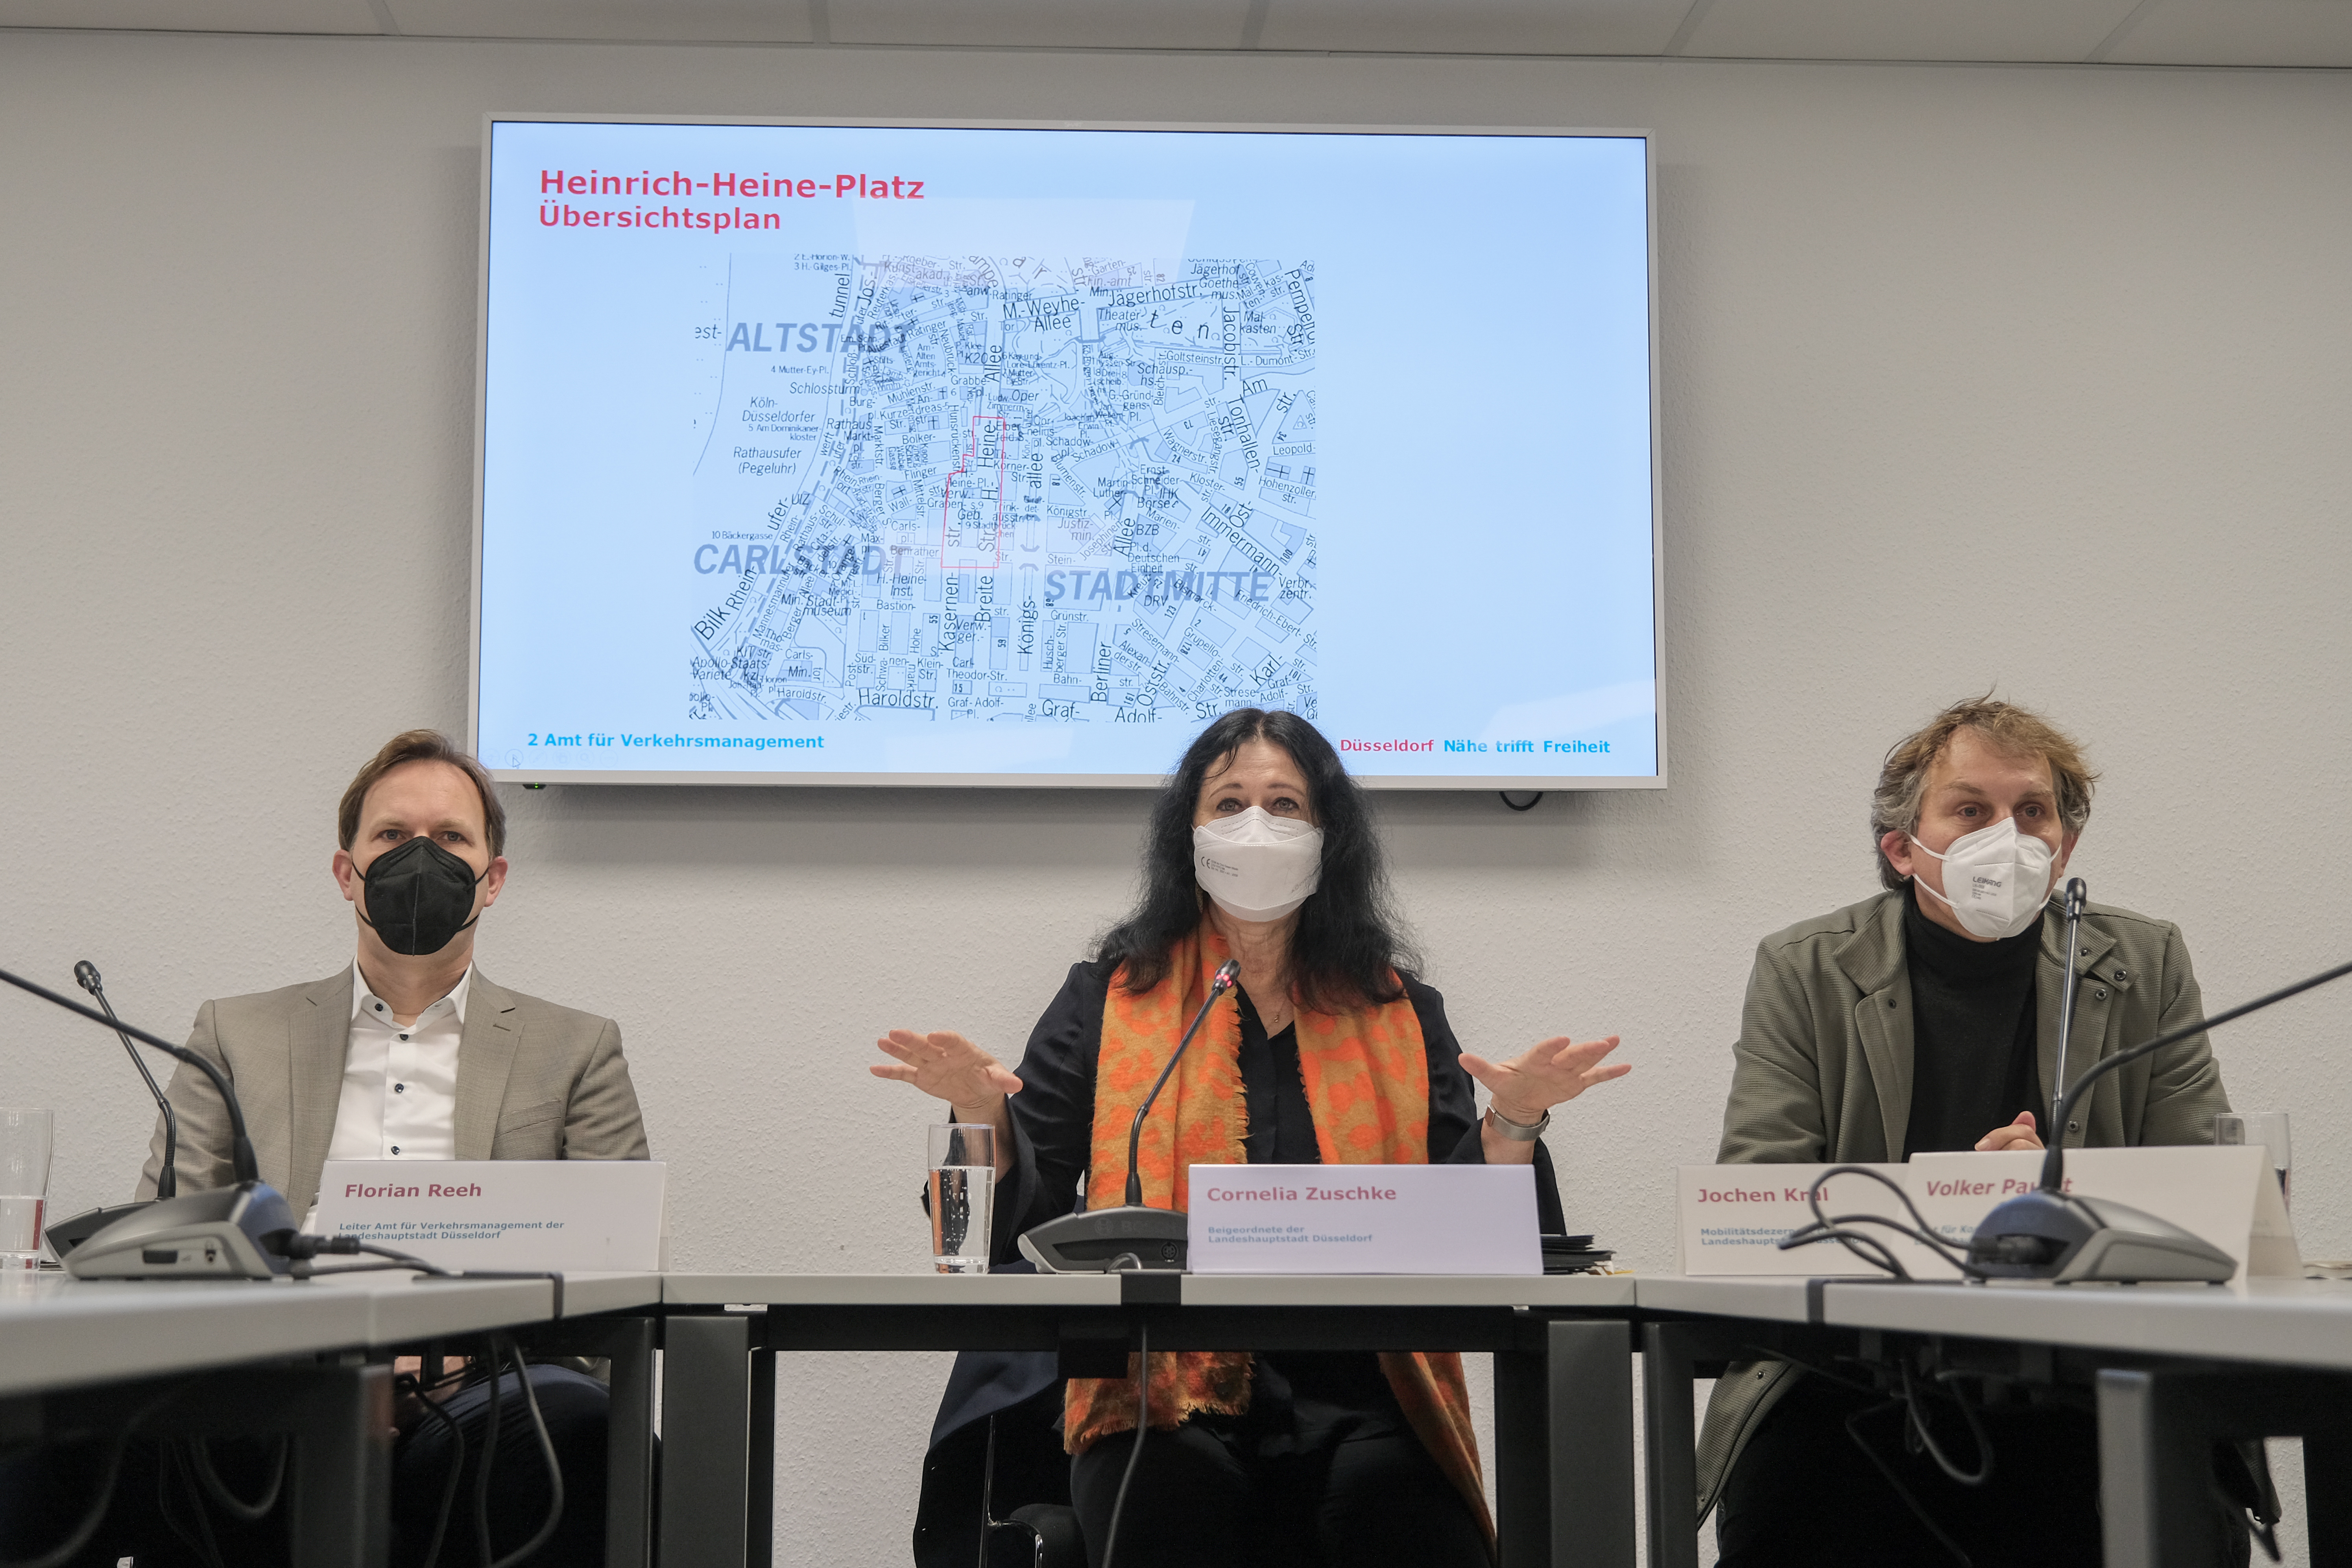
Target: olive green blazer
[(1822, 1069), (535, 1082)]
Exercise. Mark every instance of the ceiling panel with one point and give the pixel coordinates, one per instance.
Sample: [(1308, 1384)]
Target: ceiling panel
[(665, 21), (1906, 29), (1047, 24), (1475, 26), (193, 16), (2241, 32)]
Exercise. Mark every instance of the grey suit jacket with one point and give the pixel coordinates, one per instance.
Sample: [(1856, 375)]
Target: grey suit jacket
[(1822, 1071), (535, 1082)]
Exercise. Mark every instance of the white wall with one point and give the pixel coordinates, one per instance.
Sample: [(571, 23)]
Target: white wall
[(2035, 377)]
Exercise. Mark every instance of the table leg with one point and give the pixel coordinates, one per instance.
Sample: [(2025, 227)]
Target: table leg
[(707, 1398), (2155, 1461), (339, 1488), (1564, 1448), (629, 1446), (760, 1521), (1670, 1440), (2327, 1499)]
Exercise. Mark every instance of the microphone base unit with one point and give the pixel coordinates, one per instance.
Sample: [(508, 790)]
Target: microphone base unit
[(2092, 1241), (229, 1233), (1108, 1240), (71, 1232)]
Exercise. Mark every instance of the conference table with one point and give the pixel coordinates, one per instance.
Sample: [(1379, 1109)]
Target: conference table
[(2174, 1368), (307, 1358), (1562, 1346)]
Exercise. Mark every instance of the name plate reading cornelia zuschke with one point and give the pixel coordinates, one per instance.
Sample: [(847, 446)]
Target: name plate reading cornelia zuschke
[(568, 1216), (1363, 1219)]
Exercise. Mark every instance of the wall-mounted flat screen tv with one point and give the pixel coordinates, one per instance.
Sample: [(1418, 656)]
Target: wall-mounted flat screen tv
[(855, 453)]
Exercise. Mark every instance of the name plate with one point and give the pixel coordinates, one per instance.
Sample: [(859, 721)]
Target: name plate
[(1731, 1216), (565, 1216), (1363, 1219)]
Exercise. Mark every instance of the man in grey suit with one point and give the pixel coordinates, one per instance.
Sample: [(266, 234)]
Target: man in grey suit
[(413, 1055), (409, 1053), (1924, 1018)]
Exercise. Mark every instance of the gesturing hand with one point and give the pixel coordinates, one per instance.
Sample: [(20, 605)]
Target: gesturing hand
[(946, 1066), (1545, 1075)]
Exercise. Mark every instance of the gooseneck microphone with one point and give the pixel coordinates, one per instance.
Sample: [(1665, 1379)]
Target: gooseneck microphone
[(2076, 895), (167, 1181), (2051, 1234), (237, 1232), (240, 1147), (1130, 1236), (1228, 975)]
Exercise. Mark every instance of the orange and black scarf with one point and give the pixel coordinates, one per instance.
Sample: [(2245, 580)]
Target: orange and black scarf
[(1367, 1078)]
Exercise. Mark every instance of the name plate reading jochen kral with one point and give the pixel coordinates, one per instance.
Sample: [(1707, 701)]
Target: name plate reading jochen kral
[(1363, 1219), (570, 1215)]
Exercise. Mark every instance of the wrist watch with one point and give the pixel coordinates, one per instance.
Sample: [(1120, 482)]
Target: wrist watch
[(1519, 1132)]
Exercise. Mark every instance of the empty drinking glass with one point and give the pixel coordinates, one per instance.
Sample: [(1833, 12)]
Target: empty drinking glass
[(2267, 1128), (24, 1143), (962, 1191)]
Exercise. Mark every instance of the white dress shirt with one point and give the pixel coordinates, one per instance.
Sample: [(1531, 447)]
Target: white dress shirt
[(400, 1080)]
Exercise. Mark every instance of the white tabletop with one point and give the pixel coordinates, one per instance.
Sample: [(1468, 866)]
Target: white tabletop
[(56, 1331), (2296, 1322), (1197, 1290)]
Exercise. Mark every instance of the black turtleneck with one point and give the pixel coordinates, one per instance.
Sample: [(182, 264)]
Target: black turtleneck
[(1973, 1063)]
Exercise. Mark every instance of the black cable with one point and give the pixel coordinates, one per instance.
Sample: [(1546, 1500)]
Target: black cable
[(172, 1465), (1142, 1425), (1927, 1440), (201, 1461), (482, 1470), (1505, 796), (554, 1469), (457, 1467), (1825, 1228), (80, 1536), (1854, 1430), (302, 1248)]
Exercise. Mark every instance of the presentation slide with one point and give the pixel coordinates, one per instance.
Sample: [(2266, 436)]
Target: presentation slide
[(994, 457)]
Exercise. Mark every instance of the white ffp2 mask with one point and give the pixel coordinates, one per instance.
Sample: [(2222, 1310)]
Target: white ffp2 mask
[(1257, 866), (1995, 879)]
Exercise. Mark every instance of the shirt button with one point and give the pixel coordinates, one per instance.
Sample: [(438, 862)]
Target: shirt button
[(2101, 995), (379, 1007), (2122, 974), (396, 1148), (2070, 1126), (400, 1088)]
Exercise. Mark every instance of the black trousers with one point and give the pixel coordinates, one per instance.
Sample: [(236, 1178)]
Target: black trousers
[(1218, 1490), (1805, 1495)]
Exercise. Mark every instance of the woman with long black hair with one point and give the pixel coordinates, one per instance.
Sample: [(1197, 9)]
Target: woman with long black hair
[(1261, 848)]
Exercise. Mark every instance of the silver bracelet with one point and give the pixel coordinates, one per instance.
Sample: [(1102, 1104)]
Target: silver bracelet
[(1519, 1132)]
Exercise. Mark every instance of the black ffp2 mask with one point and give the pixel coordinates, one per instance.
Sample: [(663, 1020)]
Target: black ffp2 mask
[(419, 896)]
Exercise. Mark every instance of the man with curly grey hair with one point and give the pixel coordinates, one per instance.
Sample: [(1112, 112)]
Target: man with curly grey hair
[(1923, 1019)]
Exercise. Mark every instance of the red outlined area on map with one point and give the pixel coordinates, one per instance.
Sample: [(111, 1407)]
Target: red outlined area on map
[(947, 506)]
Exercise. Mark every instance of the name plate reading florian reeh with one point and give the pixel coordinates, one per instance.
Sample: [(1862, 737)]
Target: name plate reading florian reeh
[(1363, 1219), (569, 1216)]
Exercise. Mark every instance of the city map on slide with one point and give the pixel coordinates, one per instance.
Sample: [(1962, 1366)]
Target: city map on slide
[(1007, 489)]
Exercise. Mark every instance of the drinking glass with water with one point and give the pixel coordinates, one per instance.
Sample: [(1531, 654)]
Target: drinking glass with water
[(962, 1192), (25, 1145)]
